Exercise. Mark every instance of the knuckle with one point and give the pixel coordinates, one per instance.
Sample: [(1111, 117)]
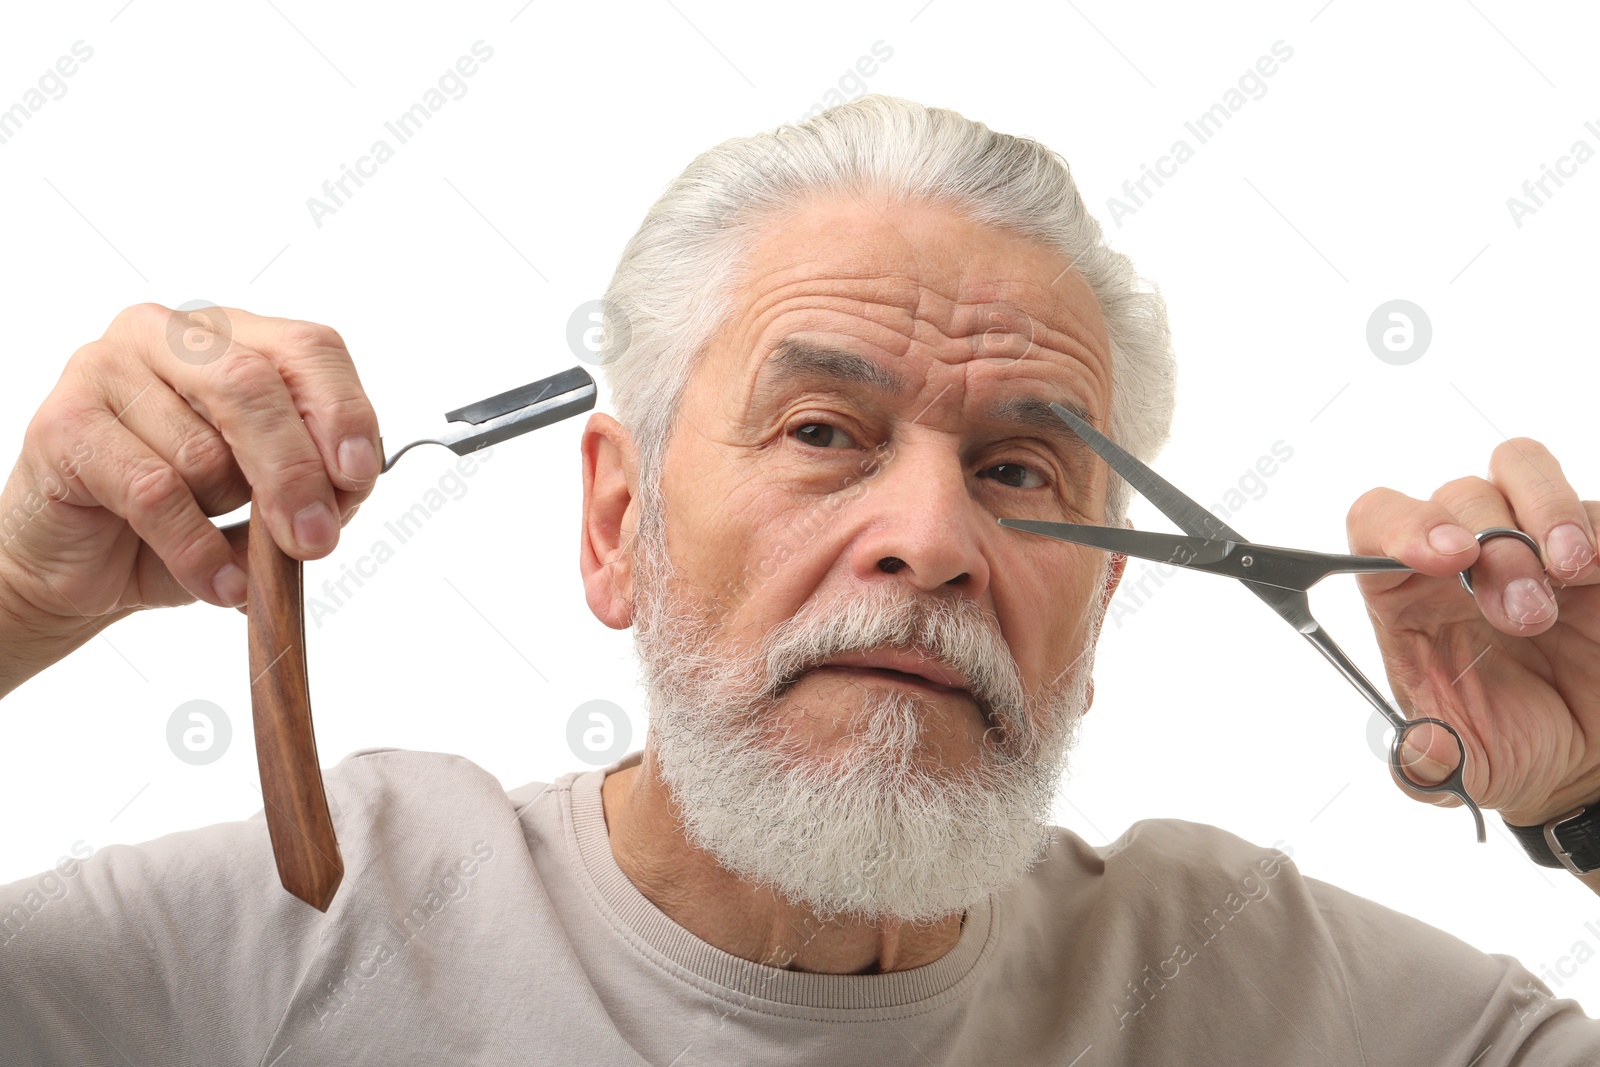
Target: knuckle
[(156, 489), (1549, 503), (304, 471), (59, 420), (93, 373), (1515, 451), (192, 550), (1463, 489), (52, 417), (204, 458), (1369, 505), (138, 328), (301, 335), (141, 317), (348, 408), (243, 373), (87, 358)]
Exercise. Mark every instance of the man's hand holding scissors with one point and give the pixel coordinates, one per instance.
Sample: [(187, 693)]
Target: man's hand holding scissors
[(1514, 668), (1500, 687)]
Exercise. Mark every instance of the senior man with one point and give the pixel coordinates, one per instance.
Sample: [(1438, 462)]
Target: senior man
[(834, 847)]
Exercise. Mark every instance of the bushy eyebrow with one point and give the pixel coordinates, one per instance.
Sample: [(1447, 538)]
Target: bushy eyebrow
[(1032, 413), (794, 359)]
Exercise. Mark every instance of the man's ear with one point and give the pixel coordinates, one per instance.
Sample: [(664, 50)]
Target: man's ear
[(1119, 564), (610, 516)]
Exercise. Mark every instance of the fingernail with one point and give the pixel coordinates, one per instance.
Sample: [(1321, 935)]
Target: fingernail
[(1528, 602), (230, 585), (1568, 548), (358, 459), (314, 526), (1449, 538)]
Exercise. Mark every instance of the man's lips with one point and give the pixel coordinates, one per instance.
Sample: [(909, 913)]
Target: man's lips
[(907, 667)]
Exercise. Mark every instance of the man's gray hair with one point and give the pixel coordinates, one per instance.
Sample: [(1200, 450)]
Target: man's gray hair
[(678, 278)]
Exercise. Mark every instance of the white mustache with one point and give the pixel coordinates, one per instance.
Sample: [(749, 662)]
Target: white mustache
[(954, 632)]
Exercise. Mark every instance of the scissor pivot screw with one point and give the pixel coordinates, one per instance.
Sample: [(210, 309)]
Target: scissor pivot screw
[(1246, 561)]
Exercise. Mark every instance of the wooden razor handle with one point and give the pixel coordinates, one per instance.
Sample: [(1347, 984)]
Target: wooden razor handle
[(303, 842)]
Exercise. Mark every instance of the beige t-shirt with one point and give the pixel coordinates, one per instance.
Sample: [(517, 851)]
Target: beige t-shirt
[(480, 926)]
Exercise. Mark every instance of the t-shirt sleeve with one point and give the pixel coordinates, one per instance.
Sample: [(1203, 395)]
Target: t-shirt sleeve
[(1406, 978), (183, 949), (1241, 950)]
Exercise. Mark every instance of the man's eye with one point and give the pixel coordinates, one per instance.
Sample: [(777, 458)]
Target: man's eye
[(823, 435), (1015, 475)]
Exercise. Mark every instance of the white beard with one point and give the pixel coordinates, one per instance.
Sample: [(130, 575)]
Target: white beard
[(873, 831)]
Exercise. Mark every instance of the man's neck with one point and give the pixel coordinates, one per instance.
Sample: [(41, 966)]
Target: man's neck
[(750, 922)]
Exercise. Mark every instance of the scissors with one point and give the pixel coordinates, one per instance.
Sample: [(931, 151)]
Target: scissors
[(1279, 576)]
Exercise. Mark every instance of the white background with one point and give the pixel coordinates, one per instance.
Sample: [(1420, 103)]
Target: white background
[(1376, 166)]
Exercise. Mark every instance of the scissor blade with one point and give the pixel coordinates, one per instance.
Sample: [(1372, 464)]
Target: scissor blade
[(1176, 549), (1258, 565), (548, 400), (1189, 516), (521, 397), (506, 415)]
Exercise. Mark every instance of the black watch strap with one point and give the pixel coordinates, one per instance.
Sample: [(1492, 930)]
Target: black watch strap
[(1571, 840)]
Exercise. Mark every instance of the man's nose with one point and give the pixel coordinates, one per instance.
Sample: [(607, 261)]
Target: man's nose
[(917, 518)]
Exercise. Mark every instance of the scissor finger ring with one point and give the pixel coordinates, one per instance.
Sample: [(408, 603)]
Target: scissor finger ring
[(1492, 532), (1453, 783)]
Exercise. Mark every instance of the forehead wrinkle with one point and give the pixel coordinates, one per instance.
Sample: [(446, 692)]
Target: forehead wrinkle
[(1009, 319), (1061, 316), (872, 301)]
